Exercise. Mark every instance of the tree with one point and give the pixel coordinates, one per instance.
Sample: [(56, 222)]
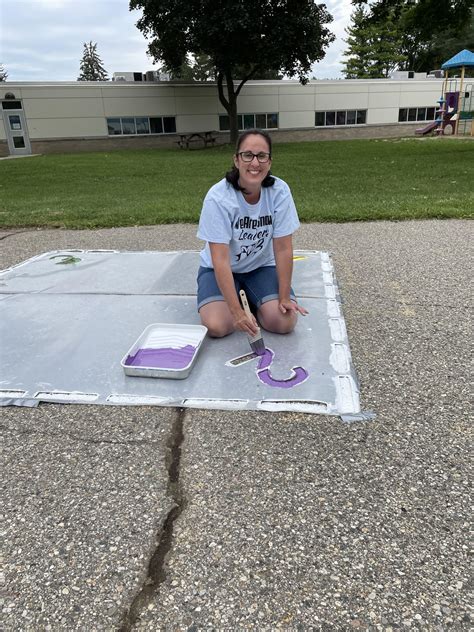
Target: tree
[(242, 38), (446, 45), (91, 65), (359, 44), (183, 73), (3, 73), (374, 50), (421, 26), (201, 70)]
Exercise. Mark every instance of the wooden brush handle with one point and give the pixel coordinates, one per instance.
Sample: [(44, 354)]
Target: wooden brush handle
[(245, 303)]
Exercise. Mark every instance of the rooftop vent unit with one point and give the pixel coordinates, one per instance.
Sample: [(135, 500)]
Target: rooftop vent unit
[(399, 74), (156, 75), (127, 76)]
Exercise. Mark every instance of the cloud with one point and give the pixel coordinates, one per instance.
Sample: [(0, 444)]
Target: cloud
[(55, 31), (331, 66), (50, 4)]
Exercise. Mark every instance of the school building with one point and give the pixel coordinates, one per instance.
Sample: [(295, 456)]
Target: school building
[(48, 117)]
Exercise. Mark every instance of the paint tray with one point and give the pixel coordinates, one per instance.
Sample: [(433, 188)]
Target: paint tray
[(164, 350)]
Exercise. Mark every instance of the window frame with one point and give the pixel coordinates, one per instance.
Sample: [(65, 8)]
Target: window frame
[(224, 121), (14, 104), (332, 118), (171, 121), (412, 115)]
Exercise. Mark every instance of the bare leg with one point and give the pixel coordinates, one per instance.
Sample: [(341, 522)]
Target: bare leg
[(272, 319), (217, 318)]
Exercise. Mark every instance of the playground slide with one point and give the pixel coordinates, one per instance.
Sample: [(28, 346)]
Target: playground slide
[(421, 131)]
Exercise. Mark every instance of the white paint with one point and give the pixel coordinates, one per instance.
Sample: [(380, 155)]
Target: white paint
[(141, 400), (329, 291), (333, 309), (4, 394), (316, 408), (338, 329), (66, 396), (347, 395), (328, 278), (238, 361), (220, 404), (340, 357)]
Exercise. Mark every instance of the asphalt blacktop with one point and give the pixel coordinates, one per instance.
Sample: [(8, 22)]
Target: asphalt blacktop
[(149, 518)]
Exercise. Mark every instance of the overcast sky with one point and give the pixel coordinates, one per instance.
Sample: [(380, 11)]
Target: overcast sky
[(42, 40)]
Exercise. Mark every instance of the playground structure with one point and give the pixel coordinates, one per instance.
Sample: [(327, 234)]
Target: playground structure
[(455, 111)]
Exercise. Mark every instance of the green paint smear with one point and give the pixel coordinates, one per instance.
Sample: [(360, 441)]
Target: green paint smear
[(65, 260)]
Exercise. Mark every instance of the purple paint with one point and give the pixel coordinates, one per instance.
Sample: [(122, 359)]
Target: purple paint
[(265, 360), (166, 358), (299, 374)]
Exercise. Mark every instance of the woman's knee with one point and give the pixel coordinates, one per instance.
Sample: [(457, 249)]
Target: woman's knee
[(272, 319), (217, 321), (218, 330)]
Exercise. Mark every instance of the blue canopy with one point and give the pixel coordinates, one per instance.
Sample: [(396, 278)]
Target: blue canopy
[(464, 58)]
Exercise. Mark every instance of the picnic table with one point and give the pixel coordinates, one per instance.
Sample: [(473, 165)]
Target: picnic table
[(202, 138)]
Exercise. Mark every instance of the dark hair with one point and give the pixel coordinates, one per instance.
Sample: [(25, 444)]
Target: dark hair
[(232, 176)]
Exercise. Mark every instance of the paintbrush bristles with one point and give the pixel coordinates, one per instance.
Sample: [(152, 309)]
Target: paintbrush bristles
[(256, 341), (255, 337), (258, 346)]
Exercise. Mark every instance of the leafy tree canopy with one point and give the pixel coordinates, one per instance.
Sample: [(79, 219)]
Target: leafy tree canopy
[(243, 38), (373, 50), (91, 65), (202, 69), (3, 73), (423, 28)]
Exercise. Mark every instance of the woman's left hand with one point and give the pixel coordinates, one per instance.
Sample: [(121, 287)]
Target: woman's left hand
[(290, 306)]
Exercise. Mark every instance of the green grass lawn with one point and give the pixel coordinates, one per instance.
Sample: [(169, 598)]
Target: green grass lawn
[(331, 182)]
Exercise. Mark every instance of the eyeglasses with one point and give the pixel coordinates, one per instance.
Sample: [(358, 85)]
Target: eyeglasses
[(248, 156)]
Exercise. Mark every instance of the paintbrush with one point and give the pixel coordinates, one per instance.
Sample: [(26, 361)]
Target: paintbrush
[(256, 342)]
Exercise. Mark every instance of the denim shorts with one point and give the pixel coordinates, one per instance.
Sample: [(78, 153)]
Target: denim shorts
[(260, 285)]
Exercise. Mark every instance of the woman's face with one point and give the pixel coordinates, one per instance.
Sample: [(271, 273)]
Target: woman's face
[(252, 174)]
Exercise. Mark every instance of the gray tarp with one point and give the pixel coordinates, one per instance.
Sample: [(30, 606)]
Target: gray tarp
[(69, 317)]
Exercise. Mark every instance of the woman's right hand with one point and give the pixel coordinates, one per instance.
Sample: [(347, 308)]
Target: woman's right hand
[(245, 323)]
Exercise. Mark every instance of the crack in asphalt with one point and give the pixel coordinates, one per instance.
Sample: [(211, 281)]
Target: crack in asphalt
[(156, 567), (18, 232)]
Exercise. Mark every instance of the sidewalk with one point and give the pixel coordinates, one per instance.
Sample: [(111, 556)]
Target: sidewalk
[(266, 521)]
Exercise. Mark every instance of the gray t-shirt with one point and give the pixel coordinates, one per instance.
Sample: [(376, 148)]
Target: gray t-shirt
[(226, 218)]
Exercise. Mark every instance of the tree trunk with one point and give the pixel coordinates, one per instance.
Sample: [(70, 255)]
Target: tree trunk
[(229, 101), (233, 121)]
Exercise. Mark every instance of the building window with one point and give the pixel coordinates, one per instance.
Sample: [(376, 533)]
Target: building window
[(18, 142), (351, 117), (156, 125), (416, 114), (114, 126), (135, 125), (169, 124), (320, 119), (250, 121), (128, 126), (143, 125), (330, 118), (340, 117), (11, 105)]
